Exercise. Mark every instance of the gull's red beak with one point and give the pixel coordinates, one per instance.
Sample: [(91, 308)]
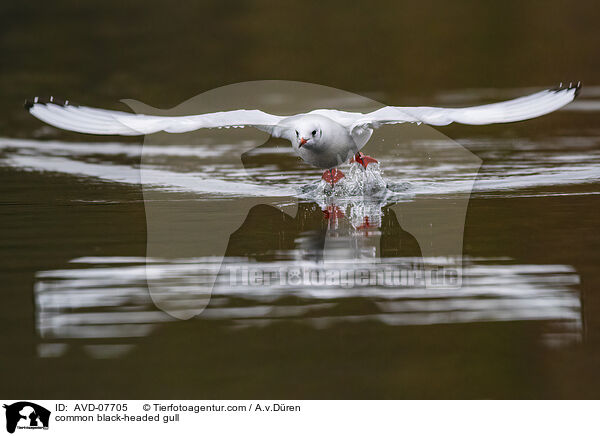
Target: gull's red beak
[(302, 142)]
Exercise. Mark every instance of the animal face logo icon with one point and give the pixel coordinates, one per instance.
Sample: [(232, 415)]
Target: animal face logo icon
[(26, 415)]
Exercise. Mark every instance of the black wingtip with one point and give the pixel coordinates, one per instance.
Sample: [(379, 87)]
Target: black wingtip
[(571, 85), (47, 100), (578, 88)]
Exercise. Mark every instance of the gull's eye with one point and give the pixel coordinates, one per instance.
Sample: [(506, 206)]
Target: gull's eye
[(297, 134), (314, 132)]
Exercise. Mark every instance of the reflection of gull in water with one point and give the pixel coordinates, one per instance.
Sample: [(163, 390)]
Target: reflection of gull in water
[(101, 304), (324, 138)]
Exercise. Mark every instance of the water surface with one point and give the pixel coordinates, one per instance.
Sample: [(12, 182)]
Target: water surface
[(77, 317)]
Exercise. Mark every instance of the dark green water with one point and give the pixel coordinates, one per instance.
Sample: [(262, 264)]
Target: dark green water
[(76, 319)]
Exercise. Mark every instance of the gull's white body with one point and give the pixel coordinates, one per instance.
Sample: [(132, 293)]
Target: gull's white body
[(324, 138), (334, 145)]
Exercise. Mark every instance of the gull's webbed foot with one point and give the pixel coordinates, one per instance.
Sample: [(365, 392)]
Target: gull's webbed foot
[(332, 176), (363, 159)]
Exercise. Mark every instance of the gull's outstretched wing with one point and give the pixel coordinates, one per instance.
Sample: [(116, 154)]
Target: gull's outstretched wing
[(106, 122), (522, 108)]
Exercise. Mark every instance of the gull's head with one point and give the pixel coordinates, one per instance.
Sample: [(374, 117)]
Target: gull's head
[(308, 133)]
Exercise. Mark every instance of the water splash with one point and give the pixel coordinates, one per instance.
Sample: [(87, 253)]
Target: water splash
[(357, 183), (360, 195)]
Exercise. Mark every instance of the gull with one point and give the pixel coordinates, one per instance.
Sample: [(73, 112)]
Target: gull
[(324, 138)]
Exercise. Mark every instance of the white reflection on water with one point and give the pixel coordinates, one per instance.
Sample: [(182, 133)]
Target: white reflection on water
[(103, 299), (511, 166)]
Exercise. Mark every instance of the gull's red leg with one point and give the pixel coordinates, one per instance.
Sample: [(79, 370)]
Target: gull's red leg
[(363, 159), (332, 176), (332, 212), (366, 226)]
